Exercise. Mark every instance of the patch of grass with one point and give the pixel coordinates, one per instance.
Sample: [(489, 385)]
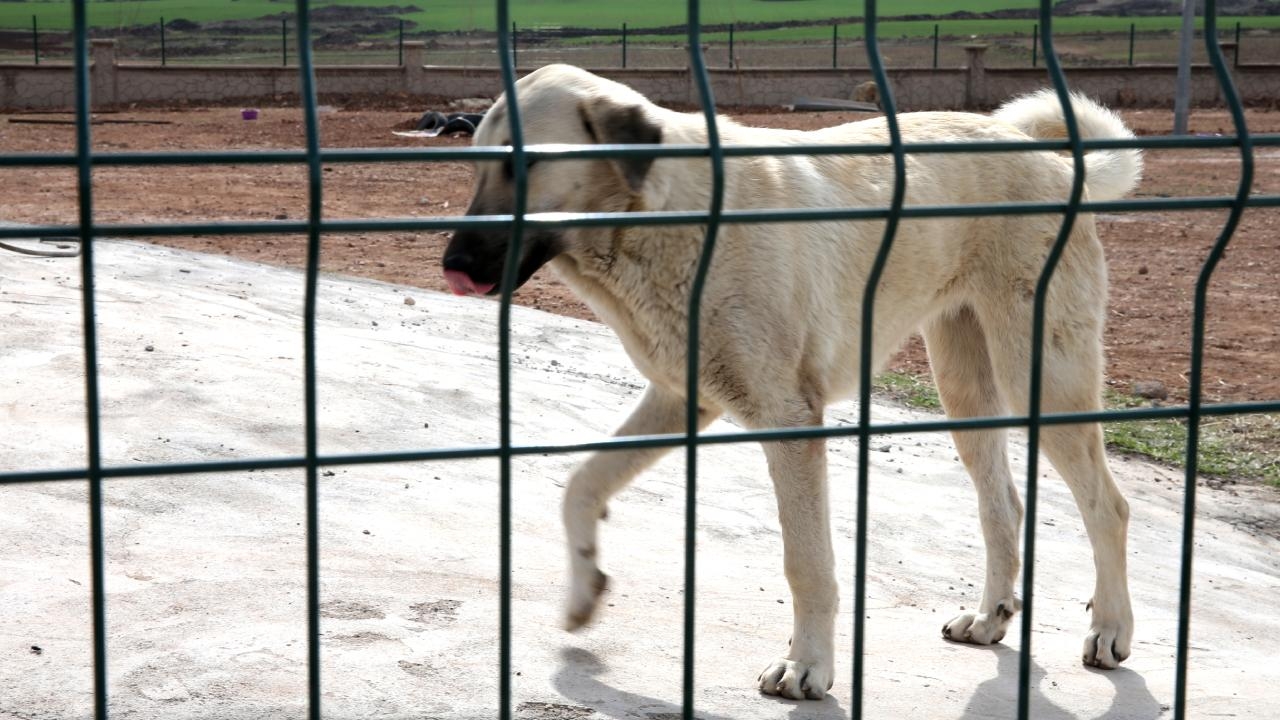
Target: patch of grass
[(1240, 447), (1236, 447), (910, 390)]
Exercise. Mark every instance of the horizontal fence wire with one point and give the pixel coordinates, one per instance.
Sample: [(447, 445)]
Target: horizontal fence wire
[(314, 157)]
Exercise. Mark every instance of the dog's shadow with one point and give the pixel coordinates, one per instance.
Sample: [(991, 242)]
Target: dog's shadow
[(576, 679), (998, 697)]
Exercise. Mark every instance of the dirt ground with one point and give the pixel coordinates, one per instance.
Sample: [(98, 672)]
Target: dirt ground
[(1154, 257)]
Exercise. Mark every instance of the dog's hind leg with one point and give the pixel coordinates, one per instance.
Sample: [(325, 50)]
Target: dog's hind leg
[(962, 371), (602, 476), (799, 472), (1073, 383)]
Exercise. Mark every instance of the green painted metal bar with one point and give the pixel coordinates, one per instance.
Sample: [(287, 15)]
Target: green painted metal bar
[(1035, 397), (35, 40), (511, 266), (697, 64), (638, 441), (732, 64), (935, 46), (867, 328), (624, 45), (550, 220), (1195, 380), (164, 51), (93, 407), (1035, 44), (835, 44), (284, 42), (1236, 60), (315, 192), (400, 45), (1132, 30), (559, 152)]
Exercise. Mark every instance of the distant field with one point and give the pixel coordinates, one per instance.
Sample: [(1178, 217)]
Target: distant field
[(448, 15)]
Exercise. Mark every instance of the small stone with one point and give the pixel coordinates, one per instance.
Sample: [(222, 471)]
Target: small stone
[(410, 301), (1150, 389), (366, 532), (150, 348), (1142, 270)]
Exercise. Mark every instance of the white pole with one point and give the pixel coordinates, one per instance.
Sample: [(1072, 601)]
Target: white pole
[(1182, 95)]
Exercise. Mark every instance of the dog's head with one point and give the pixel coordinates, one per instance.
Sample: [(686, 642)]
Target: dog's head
[(559, 104)]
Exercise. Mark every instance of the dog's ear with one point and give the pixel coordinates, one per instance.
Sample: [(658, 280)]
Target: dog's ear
[(609, 123)]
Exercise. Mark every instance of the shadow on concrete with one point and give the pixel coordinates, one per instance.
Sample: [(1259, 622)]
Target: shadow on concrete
[(576, 680), (998, 697)]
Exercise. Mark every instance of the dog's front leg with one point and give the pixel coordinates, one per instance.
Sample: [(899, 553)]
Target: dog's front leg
[(799, 472), (599, 478)]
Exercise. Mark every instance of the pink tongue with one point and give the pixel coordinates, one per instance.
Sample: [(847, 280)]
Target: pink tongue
[(462, 284)]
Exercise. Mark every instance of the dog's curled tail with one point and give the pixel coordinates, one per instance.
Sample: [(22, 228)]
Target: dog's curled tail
[(1109, 174)]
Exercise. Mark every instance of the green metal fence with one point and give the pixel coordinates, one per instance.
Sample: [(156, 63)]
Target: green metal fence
[(84, 160)]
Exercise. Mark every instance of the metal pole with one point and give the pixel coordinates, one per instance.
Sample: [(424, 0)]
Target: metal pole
[(835, 36), (1182, 92), (163, 52), (1035, 43), (731, 62), (515, 57), (35, 40), (284, 42), (1236, 61), (624, 44), (400, 46), (1132, 26), (935, 46)]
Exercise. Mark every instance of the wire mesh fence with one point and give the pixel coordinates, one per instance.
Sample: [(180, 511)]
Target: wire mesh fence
[(378, 40), (713, 218)]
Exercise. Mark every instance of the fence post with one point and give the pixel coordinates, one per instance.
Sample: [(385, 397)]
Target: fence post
[(414, 59), (400, 45), (103, 90), (1035, 42), (935, 46), (35, 40), (732, 64), (975, 79), (835, 36), (1236, 60), (1132, 26), (284, 42), (163, 50), (624, 45)]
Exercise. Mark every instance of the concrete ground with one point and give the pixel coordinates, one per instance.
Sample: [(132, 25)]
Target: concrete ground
[(201, 359)]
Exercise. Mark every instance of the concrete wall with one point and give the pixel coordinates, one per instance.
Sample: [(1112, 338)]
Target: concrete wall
[(45, 87)]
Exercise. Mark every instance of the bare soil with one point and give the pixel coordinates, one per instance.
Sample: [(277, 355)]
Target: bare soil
[(1154, 257)]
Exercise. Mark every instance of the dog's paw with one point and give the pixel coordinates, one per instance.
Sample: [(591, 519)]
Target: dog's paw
[(982, 628), (584, 598), (1107, 644), (797, 679)]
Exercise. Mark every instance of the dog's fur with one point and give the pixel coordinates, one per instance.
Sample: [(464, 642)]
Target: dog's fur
[(782, 310)]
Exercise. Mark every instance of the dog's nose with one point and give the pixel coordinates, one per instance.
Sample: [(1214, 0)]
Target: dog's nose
[(460, 261)]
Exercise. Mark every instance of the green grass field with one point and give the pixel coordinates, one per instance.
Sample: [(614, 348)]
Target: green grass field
[(448, 15)]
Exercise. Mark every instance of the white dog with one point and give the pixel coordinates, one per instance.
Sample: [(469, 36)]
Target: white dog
[(782, 311)]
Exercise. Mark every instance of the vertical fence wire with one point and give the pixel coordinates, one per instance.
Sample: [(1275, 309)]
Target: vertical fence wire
[(703, 81), (1034, 397), (315, 187), (1195, 381), (865, 349), (520, 178), (93, 410)]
